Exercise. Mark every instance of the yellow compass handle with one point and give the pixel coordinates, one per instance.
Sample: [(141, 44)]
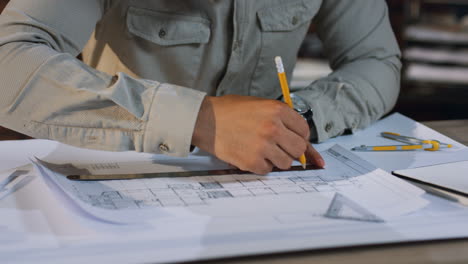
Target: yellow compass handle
[(435, 145)]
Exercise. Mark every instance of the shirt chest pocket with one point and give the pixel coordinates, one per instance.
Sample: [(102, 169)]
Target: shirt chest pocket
[(167, 29), (172, 44), (282, 31)]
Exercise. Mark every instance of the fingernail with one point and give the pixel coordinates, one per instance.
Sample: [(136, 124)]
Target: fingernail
[(321, 163)]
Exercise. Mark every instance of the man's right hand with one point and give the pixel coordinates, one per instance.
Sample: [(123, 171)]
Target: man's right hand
[(253, 134)]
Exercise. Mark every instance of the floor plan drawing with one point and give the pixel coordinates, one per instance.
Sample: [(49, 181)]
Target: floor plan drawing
[(196, 191), (346, 176)]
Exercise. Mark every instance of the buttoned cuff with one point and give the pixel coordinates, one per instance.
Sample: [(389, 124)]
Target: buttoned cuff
[(171, 120), (313, 131), (329, 116)]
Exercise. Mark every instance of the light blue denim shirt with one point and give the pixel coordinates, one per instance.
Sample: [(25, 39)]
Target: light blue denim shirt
[(148, 64)]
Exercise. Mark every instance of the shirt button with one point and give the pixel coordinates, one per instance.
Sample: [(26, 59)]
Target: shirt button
[(163, 147), (162, 33), (295, 20), (235, 46), (328, 127)]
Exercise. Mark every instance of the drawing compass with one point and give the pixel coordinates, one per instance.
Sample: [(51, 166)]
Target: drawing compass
[(411, 144)]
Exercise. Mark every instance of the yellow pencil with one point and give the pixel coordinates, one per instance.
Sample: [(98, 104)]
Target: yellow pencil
[(287, 97)]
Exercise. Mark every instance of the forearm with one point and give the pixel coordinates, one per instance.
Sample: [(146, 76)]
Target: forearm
[(365, 59), (353, 97), (48, 96), (48, 93)]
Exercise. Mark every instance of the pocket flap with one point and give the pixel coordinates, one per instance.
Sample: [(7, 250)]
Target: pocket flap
[(168, 29), (288, 17)]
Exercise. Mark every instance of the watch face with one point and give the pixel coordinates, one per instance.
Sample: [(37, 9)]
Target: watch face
[(300, 105)]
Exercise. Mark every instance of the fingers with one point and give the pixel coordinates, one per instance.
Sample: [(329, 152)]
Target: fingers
[(313, 157), (255, 141), (260, 167), (296, 123), (279, 158), (292, 143), (281, 145)]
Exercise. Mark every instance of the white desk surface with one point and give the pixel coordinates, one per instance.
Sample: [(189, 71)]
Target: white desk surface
[(428, 252)]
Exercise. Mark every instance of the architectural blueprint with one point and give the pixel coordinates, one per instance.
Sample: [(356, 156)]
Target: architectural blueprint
[(366, 192)]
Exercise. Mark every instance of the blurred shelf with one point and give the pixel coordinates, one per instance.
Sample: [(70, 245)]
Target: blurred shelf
[(435, 60), (445, 2), (437, 34), (309, 70), (437, 55), (450, 75)]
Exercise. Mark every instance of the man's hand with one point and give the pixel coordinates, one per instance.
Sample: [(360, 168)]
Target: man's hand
[(253, 134)]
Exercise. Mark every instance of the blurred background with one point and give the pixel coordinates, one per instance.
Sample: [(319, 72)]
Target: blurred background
[(433, 36)]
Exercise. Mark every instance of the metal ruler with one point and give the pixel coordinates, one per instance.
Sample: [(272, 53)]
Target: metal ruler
[(108, 177)]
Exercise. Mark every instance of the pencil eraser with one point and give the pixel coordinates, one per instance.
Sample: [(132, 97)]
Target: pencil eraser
[(279, 64)]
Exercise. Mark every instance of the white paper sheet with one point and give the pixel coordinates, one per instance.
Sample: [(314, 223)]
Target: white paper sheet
[(453, 176), (21, 230), (24, 230), (16, 153), (396, 160), (83, 240), (200, 239)]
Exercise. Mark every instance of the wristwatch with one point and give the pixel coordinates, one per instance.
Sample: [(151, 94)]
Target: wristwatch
[(303, 108)]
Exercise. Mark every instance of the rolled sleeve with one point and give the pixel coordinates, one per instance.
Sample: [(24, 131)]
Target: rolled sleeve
[(171, 121), (331, 118), (48, 93)]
